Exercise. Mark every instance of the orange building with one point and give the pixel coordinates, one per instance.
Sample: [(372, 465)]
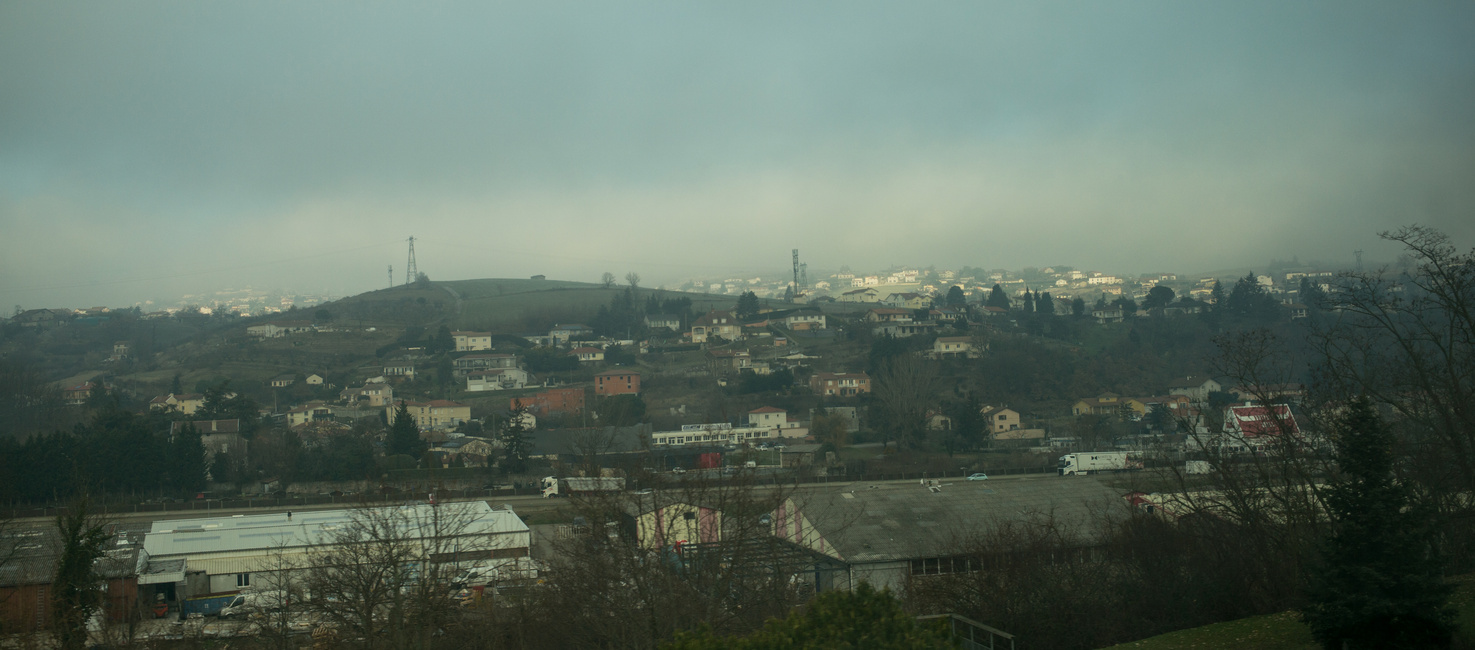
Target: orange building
[(617, 382)]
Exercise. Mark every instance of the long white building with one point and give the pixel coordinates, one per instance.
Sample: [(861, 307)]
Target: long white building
[(221, 555)]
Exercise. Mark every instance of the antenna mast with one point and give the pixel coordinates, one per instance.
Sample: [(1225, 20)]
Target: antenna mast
[(391, 276), (410, 271), (1358, 253), (796, 273)]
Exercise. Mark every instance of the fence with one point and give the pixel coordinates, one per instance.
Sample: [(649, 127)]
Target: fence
[(206, 506)]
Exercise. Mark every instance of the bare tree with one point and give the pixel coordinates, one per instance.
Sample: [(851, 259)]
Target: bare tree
[(906, 387), (633, 279), (1406, 339), (608, 280), (282, 581), (384, 575), (1257, 511), (637, 567)]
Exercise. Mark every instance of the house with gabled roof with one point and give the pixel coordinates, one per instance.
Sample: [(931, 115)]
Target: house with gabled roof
[(716, 324), (861, 295), (434, 414), (805, 319), (953, 346), (889, 315), (372, 394), (1195, 387), (669, 321), (587, 354), (561, 334), (77, 394), (840, 384), (186, 403), (907, 300), (472, 341)]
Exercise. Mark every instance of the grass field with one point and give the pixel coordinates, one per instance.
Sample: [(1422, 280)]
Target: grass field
[(1284, 631)]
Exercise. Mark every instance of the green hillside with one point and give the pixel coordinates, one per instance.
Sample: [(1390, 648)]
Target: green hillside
[(496, 304)]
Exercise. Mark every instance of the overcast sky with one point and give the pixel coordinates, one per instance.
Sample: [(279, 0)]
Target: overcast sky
[(149, 149)]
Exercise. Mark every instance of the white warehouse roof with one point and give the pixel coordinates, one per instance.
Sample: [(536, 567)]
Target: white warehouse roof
[(245, 533)]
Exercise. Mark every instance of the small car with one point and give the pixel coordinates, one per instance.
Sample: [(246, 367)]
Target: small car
[(978, 476)]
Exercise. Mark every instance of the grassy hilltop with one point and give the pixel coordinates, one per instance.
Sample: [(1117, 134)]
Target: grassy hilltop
[(496, 304)]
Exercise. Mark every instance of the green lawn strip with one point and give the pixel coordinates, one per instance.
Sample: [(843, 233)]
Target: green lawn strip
[(1284, 631)]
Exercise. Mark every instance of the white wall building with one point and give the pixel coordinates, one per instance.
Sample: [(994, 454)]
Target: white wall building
[(221, 555)]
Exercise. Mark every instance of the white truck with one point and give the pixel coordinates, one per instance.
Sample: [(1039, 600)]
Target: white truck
[(554, 486), (1097, 461)]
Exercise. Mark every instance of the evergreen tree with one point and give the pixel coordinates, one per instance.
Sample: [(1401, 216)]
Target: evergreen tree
[(1045, 304), (174, 387), (187, 460), (1127, 305), (513, 437), (444, 341), (747, 305), (1216, 296), (404, 434), (1157, 297), (997, 298), (1311, 294), (1029, 302), (1078, 307), (955, 297), (74, 593), (1380, 584)]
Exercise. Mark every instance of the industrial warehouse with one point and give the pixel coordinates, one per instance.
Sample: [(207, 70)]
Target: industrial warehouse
[(183, 567)]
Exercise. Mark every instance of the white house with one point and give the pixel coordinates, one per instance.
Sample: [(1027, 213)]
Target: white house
[(496, 379)]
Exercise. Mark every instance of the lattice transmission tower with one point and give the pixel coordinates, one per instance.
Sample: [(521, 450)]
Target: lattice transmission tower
[(410, 271)]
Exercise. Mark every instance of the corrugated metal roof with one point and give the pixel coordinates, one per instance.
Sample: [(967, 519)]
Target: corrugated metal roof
[(226, 535), (892, 521)]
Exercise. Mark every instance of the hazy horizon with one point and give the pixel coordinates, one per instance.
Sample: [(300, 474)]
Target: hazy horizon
[(153, 149)]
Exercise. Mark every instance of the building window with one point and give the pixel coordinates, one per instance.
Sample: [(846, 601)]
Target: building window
[(243, 580), (944, 565)]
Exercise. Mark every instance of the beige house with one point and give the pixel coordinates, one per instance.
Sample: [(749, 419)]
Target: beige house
[(953, 346), (186, 403), (1001, 420), (805, 320), (907, 300), (1108, 404), (841, 384), (370, 394), (472, 341), (722, 324), (587, 354), (1195, 388), (309, 412), (435, 414)]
